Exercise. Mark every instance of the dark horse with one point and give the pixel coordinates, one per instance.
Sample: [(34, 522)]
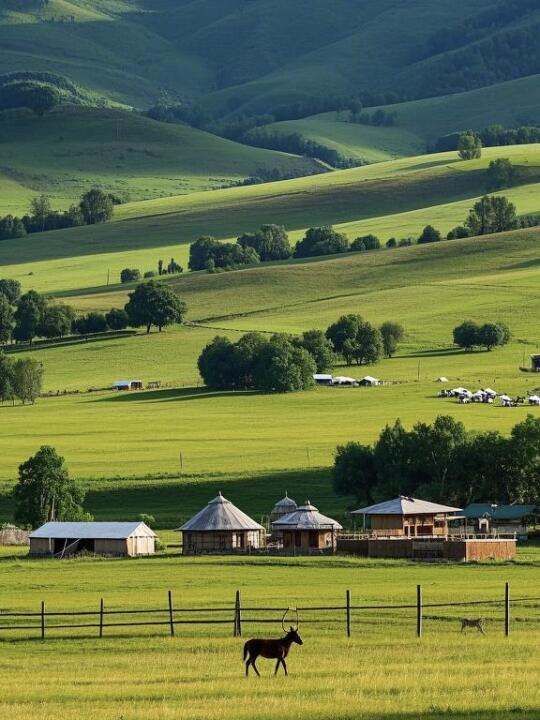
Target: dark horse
[(272, 649)]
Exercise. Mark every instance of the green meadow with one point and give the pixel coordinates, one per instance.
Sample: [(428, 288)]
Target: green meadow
[(144, 673), (395, 198)]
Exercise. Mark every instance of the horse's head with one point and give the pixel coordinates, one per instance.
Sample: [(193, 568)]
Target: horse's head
[(293, 636)]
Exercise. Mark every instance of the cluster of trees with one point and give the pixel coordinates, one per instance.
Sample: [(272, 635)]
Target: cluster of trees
[(469, 145), (25, 317), (45, 492), (269, 242), (20, 379), (489, 335), (492, 136), (379, 118), (276, 363), (37, 96), (95, 206), (129, 275), (360, 342), (297, 144), (443, 462)]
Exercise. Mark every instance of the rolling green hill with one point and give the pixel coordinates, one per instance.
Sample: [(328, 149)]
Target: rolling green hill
[(419, 122), (72, 148), (267, 54), (391, 198)]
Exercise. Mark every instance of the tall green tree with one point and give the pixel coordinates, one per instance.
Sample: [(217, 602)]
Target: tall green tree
[(7, 319), (491, 215), (27, 379), (56, 321), (96, 206), (392, 334), (271, 242), (469, 145), (7, 391), (28, 316), (45, 492), (11, 289), (321, 241), (153, 303), (429, 234), (319, 347), (281, 366), (345, 328), (500, 174), (40, 209)]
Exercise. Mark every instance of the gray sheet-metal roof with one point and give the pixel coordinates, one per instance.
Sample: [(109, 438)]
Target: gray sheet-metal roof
[(92, 530), (498, 512), (405, 506), (220, 514), (286, 504), (306, 517)]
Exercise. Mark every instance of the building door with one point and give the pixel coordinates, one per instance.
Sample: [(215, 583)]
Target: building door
[(313, 539)]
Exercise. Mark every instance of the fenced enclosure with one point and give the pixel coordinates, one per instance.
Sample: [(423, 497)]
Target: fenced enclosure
[(344, 618)]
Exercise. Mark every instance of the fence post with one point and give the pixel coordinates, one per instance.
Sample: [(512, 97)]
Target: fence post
[(507, 609), (235, 620), (43, 620), (348, 609), (101, 609), (418, 611), (171, 616), (238, 614)]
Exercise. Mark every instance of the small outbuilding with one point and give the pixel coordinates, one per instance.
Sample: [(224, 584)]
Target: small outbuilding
[(128, 385), (344, 380), (369, 381), (406, 517), (497, 520), (283, 507), (221, 527), (323, 378), (306, 530), (62, 539), (535, 363)]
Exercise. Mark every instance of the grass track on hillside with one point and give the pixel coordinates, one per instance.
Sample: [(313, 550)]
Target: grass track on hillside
[(199, 673)]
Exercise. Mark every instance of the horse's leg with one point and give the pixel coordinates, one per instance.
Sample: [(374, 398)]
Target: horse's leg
[(248, 661), (481, 629), (284, 665), (254, 666), (277, 666)]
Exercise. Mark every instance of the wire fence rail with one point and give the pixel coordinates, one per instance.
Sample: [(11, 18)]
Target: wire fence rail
[(236, 615)]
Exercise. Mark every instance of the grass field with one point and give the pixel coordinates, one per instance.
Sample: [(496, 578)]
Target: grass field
[(391, 198), (72, 149), (199, 673), (428, 289), (512, 103)]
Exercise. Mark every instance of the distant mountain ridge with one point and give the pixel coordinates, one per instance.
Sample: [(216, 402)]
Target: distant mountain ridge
[(257, 55)]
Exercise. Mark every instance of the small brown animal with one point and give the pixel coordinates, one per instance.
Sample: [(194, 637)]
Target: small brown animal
[(477, 623), (272, 649)]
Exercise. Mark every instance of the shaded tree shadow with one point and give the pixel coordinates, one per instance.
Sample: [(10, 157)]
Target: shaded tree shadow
[(440, 352), (175, 394)]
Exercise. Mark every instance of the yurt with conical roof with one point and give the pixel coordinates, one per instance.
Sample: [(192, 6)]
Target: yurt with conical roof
[(306, 530), (283, 507), (221, 527)]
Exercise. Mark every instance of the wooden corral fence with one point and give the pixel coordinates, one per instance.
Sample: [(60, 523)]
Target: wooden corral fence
[(37, 624)]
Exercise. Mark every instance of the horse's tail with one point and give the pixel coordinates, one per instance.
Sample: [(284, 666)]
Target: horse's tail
[(246, 649)]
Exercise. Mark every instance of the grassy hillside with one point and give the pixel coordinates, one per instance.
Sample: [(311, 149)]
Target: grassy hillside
[(71, 149), (430, 289), (266, 54), (392, 198), (418, 122)]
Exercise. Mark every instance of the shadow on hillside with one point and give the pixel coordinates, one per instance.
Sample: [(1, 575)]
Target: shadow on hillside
[(431, 164), (534, 262), (176, 395), (436, 352)]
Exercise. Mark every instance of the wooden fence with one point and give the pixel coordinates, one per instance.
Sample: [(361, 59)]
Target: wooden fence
[(236, 615)]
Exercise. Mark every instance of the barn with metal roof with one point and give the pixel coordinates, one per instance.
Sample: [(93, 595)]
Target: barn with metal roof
[(221, 527), (61, 539)]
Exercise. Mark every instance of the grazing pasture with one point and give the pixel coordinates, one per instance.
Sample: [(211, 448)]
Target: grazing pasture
[(199, 672), (396, 198)]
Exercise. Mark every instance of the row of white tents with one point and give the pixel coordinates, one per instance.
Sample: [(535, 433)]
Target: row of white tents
[(485, 395), (344, 380)]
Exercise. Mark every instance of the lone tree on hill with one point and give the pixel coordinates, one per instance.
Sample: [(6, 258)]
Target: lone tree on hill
[(392, 334), (469, 145), (500, 174), (27, 379), (429, 235), (492, 214), (28, 316), (153, 303), (96, 206), (45, 491)]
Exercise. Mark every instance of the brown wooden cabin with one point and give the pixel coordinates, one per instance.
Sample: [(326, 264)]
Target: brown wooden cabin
[(406, 517), (306, 530)]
